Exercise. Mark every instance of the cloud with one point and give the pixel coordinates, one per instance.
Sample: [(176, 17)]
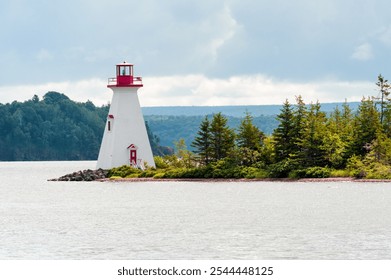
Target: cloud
[(363, 52), (197, 90), (193, 90), (301, 40), (91, 89), (385, 36), (223, 28), (44, 55)]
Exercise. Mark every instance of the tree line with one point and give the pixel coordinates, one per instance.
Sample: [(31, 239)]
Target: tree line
[(55, 128)]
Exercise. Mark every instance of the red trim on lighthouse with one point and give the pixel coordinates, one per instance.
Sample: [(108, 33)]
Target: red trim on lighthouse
[(125, 77), (132, 154), (133, 157)]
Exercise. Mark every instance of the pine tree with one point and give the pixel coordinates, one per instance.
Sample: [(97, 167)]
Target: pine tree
[(202, 142), (222, 137)]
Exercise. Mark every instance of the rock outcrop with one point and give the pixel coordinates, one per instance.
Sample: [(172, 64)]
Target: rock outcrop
[(85, 175)]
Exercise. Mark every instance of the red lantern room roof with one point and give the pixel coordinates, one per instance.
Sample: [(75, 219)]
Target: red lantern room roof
[(125, 77)]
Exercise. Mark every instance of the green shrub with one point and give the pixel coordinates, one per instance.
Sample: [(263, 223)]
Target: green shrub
[(123, 171), (160, 162), (311, 172), (378, 171), (282, 169), (133, 175), (340, 173), (148, 173), (159, 175)]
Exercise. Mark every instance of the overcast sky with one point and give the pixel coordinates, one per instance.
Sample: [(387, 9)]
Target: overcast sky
[(196, 52)]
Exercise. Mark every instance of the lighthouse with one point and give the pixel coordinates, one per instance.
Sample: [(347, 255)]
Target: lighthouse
[(125, 139)]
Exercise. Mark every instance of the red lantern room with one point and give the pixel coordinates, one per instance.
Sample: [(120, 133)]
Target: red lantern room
[(125, 77)]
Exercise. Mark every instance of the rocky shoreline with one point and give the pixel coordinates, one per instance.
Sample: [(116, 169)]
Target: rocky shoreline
[(84, 175), (101, 175)]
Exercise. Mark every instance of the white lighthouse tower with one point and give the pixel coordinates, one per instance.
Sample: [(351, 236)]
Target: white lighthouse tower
[(125, 140)]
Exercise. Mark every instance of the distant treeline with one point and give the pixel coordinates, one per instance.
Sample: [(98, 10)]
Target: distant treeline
[(54, 128), (57, 128)]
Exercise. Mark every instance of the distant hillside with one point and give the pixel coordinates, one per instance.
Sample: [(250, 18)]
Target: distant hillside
[(171, 128), (234, 111), (57, 128)]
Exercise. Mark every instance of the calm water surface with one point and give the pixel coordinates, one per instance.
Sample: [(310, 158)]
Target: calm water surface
[(187, 220)]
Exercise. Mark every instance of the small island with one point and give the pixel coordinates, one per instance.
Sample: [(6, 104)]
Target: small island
[(307, 143)]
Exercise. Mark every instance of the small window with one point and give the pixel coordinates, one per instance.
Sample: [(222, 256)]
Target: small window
[(109, 126)]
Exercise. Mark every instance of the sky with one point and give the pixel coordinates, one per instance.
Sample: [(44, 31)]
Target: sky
[(189, 53)]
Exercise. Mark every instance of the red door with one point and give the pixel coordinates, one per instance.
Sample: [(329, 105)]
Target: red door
[(133, 156)]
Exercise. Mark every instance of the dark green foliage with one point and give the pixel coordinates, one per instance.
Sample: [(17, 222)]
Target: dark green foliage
[(283, 134), (54, 128), (202, 142), (312, 146), (366, 127), (124, 171), (249, 136), (383, 100), (222, 137), (281, 169), (311, 172)]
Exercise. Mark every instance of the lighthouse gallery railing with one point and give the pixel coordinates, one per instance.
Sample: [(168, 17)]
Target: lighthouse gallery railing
[(136, 81)]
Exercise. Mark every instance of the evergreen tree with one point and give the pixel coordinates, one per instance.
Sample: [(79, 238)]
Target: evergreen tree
[(202, 142), (384, 90), (222, 137), (338, 136), (249, 141), (299, 125), (385, 104), (365, 128), (312, 150), (282, 135), (249, 136)]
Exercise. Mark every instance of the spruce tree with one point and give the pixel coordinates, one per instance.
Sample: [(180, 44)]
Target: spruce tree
[(365, 128), (249, 136), (312, 150), (338, 135), (249, 141), (299, 125), (222, 137), (282, 135), (384, 90), (202, 142)]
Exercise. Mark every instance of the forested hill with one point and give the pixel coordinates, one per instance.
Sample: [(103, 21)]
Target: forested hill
[(54, 128), (57, 128)]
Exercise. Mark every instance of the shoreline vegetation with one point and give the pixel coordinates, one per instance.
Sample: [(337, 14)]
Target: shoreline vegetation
[(307, 144), (103, 176)]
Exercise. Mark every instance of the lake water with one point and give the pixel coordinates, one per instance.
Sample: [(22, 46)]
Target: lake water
[(188, 220)]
